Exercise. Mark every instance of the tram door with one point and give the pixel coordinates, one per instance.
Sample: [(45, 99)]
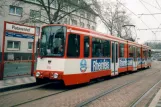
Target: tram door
[(114, 64)]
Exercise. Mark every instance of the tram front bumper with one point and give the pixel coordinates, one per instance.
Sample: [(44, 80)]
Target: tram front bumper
[(48, 74)]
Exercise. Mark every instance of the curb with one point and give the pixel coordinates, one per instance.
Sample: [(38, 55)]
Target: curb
[(14, 87), (155, 100)]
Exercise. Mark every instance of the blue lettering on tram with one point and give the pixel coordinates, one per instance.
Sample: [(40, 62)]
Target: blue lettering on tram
[(139, 61), (143, 61), (100, 64), (123, 62), (130, 61)]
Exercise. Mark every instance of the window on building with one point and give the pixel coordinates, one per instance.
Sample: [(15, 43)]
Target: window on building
[(65, 20), (81, 24), (82, 13), (35, 14), (86, 46), (93, 17), (73, 49), (13, 45), (93, 28), (14, 10), (88, 26), (88, 16), (30, 44), (121, 50), (34, 1), (74, 22)]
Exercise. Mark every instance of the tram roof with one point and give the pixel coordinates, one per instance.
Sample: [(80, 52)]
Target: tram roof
[(71, 27)]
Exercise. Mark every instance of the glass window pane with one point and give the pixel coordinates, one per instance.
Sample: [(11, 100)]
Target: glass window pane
[(121, 50), (31, 13), (12, 9), (113, 57), (18, 10), (97, 49), (30, 45), (86, 46), (16, 45), (107, 48), (73, 46), (9, 44)]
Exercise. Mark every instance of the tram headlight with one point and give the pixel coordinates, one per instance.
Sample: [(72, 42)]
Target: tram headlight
[(37, 74), (55, 75)]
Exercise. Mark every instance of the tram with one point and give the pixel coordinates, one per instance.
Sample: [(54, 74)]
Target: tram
[(77, 55)]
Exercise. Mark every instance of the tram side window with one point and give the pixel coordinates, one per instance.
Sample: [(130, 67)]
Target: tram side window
[(149, 53), (134, 51), (106, 48), (97, 49), (131, 51), (73, 49), (121, 50), (86, 46), (138, 52), (144, 53)]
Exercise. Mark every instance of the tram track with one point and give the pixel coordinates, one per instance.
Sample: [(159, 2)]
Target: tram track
[(68, 90), (142, 96), (30, 98), (24, 89), (38, 98), (109, 91), (59, 91)]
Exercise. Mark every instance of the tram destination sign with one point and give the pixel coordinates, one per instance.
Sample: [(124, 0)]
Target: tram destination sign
[(20, 28)]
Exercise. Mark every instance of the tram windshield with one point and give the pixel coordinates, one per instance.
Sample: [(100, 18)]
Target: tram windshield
[(52, 41)]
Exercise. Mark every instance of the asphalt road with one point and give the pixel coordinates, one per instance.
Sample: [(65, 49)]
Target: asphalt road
[(14, 69)]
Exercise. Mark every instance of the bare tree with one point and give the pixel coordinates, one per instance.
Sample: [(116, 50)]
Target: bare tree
[(56, 10), (114, 17), (52, 11), (2, 5)]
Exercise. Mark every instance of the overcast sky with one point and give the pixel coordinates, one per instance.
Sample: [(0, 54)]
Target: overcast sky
[(148, 21)]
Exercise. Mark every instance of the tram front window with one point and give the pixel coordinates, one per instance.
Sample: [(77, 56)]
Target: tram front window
[(52, 41)]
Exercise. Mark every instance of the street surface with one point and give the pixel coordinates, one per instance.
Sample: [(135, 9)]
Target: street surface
[(57, 96)]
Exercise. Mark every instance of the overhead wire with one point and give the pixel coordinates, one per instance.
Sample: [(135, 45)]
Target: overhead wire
[(158, 4), (150, 5), (159, 7), (149, 11), (137, 17), (151, 15)]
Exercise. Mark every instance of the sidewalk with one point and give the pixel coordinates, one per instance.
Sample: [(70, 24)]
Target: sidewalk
[(17, 82)]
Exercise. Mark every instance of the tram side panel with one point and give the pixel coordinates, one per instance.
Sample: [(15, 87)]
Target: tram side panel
[(130, 59), (123, 58), (139, 59)]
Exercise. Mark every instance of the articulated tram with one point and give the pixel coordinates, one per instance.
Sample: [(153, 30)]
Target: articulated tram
[(77, 55)]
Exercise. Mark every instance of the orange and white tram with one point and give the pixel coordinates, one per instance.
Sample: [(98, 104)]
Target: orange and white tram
[(77, 55)]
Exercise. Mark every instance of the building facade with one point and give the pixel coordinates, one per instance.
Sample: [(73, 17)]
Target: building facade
[(30, 12)]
